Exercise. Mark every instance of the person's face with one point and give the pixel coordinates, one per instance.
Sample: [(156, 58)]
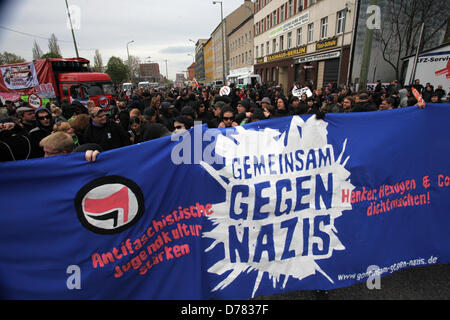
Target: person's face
[(44, 118), (240, 108), (434, 99), (310, 103), (217, 112), (280, 104), (70, 131), (295, 103), (385, 106), (28, 116), (100, 118), (346, 104), (135, 126), (228, 118), (304, 97), (179, 127)]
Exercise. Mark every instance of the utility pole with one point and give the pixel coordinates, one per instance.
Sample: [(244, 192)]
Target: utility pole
[(366, 54), (71, 27), (416, 58), (167, 74)]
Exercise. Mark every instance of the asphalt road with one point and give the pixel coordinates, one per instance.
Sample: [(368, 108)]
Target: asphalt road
[(420, 283)]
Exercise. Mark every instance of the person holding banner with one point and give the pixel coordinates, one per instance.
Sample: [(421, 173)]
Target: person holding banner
[(227, 116)]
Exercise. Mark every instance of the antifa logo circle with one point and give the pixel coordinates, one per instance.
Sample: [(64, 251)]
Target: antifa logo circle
[(103, 101), (109, 205)]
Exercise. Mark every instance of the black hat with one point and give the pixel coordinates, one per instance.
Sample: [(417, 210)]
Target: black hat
[(155, 131)]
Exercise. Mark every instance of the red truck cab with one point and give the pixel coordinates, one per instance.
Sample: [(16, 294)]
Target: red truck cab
[(87, 86)]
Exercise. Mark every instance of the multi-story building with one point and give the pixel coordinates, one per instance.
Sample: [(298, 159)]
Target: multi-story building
[(199, 60), (149, 72), (208, 61), (240, 42), (303, 41), (229, 23)]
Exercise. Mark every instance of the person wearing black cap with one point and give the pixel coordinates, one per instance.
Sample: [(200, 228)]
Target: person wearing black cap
[(108, 134), (168, 113), (154, 131), (363, 104), (243, 112), (189, 112)]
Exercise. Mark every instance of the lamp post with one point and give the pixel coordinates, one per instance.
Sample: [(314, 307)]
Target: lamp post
[(223, 45), (193, 59), (128, 54)]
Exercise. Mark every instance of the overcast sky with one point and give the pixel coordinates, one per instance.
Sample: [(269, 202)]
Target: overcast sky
[(161, 29)]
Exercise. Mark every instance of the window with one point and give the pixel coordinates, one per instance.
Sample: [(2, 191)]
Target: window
[(310, 32), (263, 25), (274, 18), (340, 22), (262, 49), (257, 51), (267, 48), (246, 56), (281, 43), (299, 36), (311, 2), (268, 22), (291, 8), (246, 39), (282, 13), (300, 5), (274, 45), (323, 28), (289, 40)]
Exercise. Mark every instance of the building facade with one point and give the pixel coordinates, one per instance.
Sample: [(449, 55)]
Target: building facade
[(149, 72), (221, 58), (208, 61), (303, 41), (200, 60), (240, 42)]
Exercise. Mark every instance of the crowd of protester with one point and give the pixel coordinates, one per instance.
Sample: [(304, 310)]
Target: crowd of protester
[(26, 133)]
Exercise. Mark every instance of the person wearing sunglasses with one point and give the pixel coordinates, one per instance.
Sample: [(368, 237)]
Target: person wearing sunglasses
[(45, 122), (228, 115)]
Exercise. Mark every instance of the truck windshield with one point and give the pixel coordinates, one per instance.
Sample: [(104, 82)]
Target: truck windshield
[(99, 88)]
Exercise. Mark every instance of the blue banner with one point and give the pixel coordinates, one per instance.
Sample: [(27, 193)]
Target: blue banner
[(274, 206)]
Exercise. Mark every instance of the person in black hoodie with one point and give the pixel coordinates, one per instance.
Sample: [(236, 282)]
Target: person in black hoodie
[(45, 122), (282, 109), (14, 142), (363, 104), (107, 134)]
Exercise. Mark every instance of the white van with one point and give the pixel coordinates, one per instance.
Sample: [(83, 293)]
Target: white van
[(127, 86), (217, 84), (248, 80), (144, 85)]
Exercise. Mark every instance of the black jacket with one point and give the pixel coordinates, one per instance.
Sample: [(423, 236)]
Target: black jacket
[(110, 136)]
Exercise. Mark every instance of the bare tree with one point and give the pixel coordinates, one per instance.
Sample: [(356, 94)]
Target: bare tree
[(400, 29), (37, 52), (133, 64), (53, 46), (98, 62)]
